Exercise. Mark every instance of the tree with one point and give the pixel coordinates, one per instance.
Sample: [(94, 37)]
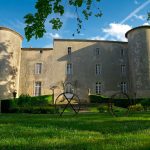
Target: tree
[(148, 14), (35, 23)]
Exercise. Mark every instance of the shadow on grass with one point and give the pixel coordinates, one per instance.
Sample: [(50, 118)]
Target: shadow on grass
[(95, 123), (81, 132)]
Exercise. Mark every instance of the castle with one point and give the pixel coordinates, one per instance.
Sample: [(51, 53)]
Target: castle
[(85, 66)]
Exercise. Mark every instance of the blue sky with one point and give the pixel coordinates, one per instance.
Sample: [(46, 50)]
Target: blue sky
[(118, 17)]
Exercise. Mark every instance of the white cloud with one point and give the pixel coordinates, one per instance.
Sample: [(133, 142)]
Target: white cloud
[(140, 17), (146, 24), (81, 34), (116, 31), (97, 38), (53, 35)]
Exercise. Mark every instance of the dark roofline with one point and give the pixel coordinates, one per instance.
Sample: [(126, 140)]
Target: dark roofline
[(140, 27), (8, 29), (85, 40), (36, 49)]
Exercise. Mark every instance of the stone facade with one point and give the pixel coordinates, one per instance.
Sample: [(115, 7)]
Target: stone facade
[(89, 66), (10, 52)]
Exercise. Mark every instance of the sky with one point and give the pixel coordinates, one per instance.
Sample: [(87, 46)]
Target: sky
[(118, 17)]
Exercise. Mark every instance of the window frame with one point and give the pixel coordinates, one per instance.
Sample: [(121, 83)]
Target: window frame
[(98, 88), (124, 87), (123, 69), (69, 69), (69, 50), (97, 51), (37, 88), (38, 68), (122, 52), (98, 69)]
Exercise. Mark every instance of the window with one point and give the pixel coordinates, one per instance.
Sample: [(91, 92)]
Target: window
[(37, 88), (122, 52), (98, 88), (38, 68), (123, 69), (97, 51), (69, 68), (98, 69), (123, 87), (68, 88), (69, 50)]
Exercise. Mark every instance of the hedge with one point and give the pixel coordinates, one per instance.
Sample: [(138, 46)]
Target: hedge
[(35, 110), (98, 99), (25, 101), (117, 102), (145, 102)]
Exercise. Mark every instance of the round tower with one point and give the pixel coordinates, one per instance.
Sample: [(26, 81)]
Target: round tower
[(139, 61), (10, 55)]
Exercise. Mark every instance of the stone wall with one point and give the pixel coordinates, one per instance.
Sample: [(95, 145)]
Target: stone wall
[(28, 77), (84, 60), (139, 61), (10, 49), (17, 66)]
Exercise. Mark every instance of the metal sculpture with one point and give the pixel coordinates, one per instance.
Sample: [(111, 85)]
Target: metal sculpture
[(67, 98), (112, 105)]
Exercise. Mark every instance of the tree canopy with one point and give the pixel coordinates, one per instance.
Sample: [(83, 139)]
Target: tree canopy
[(45, 9)]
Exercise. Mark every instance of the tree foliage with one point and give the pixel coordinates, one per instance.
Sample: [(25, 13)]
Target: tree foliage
[(148, 18), (35, 23)]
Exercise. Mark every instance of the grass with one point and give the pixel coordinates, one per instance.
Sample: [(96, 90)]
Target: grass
[(74, 132)]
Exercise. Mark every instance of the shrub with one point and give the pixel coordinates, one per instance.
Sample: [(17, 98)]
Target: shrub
[(103, 108), (27, 100), (24, 103), (124, 103), (146, 104), (98, 99), (117, 102), (7, 104), (23, 100), (137, 107), (35, 110)]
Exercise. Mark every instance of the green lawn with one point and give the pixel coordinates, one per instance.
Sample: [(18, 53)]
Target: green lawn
[(80, 132)]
